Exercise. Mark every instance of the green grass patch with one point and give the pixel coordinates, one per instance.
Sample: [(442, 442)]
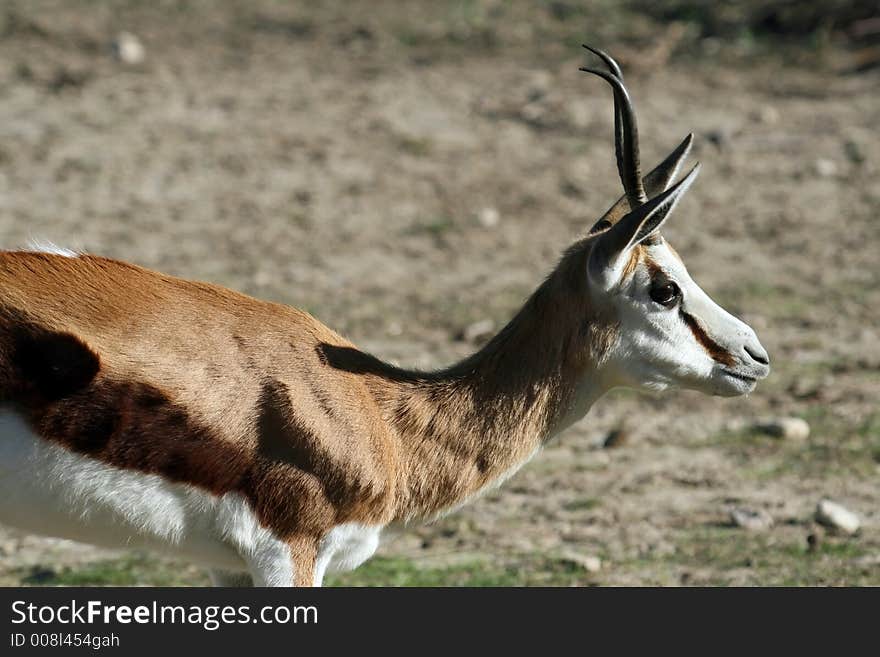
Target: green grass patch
[(415, 146), (723, 555), (134, 570), (582, 504), (145, 570), (532, 570), (439, 228)]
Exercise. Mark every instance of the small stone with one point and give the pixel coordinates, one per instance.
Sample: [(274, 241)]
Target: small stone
[(571, 188), (825, 168), (128, 48), (616, 438), (788, 428), (814, 539), (263, 278), (489, 217), (39, 575), (754, 520), (736, 425), (533, 113), (539, 84), (868, 561), (720, 137), (802, 388), (837, 517), (588, 562), (854, 152), (766, 114), (592, 564), (478, 332)]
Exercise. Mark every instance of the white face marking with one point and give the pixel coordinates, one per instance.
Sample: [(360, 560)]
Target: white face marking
[(657, 349)]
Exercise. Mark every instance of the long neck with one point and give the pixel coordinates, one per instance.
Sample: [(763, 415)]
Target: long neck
[(466, 427)]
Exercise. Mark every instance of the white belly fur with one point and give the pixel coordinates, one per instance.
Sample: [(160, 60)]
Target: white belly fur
[(49, 490)]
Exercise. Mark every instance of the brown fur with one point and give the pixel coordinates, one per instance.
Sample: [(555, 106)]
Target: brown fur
[(205, 386), (654, 270), (636, 254)]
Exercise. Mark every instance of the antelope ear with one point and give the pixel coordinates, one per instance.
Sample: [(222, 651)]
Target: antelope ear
[(656, 181), (614, 245)]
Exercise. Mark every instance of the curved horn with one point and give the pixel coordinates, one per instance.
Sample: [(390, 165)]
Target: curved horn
[(619, 141), (626, 134), (610, 62)]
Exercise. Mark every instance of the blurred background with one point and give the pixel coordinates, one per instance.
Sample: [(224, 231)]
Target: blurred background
[(409, 171)]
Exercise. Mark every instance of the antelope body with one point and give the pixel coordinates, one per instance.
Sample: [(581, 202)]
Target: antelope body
[(138, 409)]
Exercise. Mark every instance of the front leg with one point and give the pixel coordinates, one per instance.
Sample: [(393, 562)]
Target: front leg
[(304, 555), (270, 558), (285, 563)]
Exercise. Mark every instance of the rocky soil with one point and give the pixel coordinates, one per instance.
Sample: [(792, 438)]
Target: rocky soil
[(406, 171)]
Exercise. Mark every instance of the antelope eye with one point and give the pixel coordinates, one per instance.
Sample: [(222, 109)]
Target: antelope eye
[(666, 293)]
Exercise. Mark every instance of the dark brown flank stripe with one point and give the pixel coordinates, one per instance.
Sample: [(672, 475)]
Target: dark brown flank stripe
[(57, 382)]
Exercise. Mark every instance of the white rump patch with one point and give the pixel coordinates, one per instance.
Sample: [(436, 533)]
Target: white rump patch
[(45, 246)]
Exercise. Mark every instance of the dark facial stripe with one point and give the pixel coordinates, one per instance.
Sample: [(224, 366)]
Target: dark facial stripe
[(716, 351)]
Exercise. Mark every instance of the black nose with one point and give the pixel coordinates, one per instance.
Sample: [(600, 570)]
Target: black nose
[(759, 356)]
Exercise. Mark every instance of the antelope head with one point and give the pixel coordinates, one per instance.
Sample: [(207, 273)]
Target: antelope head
[(671, 333)]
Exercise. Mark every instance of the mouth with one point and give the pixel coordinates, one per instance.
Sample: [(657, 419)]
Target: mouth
[(742, 377), (735, 383)]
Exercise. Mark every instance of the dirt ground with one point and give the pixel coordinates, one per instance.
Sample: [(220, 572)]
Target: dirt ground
[(405, 170)]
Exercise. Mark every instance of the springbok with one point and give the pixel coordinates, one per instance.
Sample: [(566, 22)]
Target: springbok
[(144, 410)]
